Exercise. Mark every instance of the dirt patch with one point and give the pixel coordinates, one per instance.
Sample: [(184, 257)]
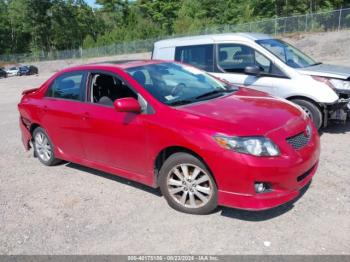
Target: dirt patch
[(330, 47)]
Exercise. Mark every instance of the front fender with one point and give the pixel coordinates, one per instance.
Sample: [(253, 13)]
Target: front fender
[(317, 91)]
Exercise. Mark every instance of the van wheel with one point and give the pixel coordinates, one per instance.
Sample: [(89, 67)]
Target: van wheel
[(187, 184), (311, 110), (43, 148)]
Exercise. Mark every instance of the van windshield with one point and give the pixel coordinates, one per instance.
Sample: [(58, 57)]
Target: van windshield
[(290, 55), (177, 84)]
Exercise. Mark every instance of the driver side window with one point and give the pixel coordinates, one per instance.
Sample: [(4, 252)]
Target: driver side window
[(105, 89), (236, 57)]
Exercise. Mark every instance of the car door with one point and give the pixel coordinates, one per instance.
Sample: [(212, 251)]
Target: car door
[(111, 138), (61, 114), (232, 60)]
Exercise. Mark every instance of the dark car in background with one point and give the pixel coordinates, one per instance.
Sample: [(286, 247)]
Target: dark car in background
[(23, 70), (28, 70), (3, 73), (33, 70)]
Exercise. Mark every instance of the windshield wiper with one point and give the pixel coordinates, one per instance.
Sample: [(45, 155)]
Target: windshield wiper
[(210, 94), (181, 102), (200, 97), (315, 64)]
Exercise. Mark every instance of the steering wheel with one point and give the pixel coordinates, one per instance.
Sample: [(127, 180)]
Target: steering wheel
[(178, 90)]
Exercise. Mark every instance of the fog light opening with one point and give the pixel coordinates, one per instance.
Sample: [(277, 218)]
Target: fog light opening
[(262, 187)]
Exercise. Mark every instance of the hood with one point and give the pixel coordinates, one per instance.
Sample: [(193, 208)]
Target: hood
[(247, 112), (332, 71)]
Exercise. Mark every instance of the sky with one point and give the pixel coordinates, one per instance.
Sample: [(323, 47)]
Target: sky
[(91, 2)]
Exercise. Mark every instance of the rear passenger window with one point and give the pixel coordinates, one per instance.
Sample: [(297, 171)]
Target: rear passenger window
[(67, 86), (200, 56)]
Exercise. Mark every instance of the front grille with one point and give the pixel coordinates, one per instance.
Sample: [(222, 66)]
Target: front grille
[(307, 173), (299, 141)]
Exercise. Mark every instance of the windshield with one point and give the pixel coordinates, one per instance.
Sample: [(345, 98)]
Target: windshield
[(177, 84), (287, 53)]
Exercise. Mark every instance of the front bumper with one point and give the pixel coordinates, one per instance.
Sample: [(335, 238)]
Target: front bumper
[(287, 174), (337, 111), (267, 200)]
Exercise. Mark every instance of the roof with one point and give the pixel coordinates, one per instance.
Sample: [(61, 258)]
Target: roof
[(212, 38), (122, 65), (125, 64)]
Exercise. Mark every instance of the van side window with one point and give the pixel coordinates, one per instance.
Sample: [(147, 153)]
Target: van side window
[(67, 86), (236, 57), (200, 56)]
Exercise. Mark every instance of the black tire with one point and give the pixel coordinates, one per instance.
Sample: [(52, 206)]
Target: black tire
[(51, 160), (199, 207), (312, 110)]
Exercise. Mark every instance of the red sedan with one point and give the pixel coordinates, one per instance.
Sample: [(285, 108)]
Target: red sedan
[(202, 141)]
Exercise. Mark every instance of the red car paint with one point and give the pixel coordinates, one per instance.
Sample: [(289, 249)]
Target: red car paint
[(127, 144)]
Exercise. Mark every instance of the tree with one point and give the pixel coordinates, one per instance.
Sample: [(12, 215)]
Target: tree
[(5, 30), (46, 25), (161, 12), (37, 23)]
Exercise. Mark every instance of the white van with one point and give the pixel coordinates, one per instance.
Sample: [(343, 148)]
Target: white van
[(267, 64)]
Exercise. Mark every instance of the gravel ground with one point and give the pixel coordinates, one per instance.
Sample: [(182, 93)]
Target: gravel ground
[(69, 209)]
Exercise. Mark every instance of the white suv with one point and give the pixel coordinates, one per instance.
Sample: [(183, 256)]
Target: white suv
[(267, 64)]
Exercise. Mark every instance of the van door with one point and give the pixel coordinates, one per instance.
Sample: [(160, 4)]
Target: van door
[(231, 61)]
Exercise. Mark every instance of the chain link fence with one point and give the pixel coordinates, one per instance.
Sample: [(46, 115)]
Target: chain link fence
[(312, 22)]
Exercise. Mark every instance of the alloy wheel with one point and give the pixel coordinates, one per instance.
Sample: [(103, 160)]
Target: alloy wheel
[(43, 146), (189, 185)]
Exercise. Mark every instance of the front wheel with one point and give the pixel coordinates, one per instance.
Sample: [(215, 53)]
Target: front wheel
[(311, 110), (187, 184), (43, 147)]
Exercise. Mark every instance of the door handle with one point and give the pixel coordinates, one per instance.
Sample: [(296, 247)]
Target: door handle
[(44, 109), (86, 116)]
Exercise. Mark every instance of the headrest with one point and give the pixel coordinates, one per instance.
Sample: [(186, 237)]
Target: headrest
[(245, 54), (140, 77), (66, 84), (104, 80), (223, 55)]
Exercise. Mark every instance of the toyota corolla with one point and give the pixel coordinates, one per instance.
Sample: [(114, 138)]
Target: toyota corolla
[(204, 142)]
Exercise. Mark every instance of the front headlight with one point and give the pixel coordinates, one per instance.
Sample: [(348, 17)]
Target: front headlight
[(256, 146), (340, 84)]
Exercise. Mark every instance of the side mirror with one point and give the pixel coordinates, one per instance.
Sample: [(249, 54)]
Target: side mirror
[(252, 70), (127, 104)]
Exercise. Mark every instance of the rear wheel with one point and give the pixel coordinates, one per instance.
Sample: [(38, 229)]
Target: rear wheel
[(311, 110), (187, 184), (43, 147)]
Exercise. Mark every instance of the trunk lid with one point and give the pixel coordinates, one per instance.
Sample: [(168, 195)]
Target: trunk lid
[(29, 91)]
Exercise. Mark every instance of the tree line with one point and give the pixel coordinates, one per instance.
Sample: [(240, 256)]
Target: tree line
[(46, 25)]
